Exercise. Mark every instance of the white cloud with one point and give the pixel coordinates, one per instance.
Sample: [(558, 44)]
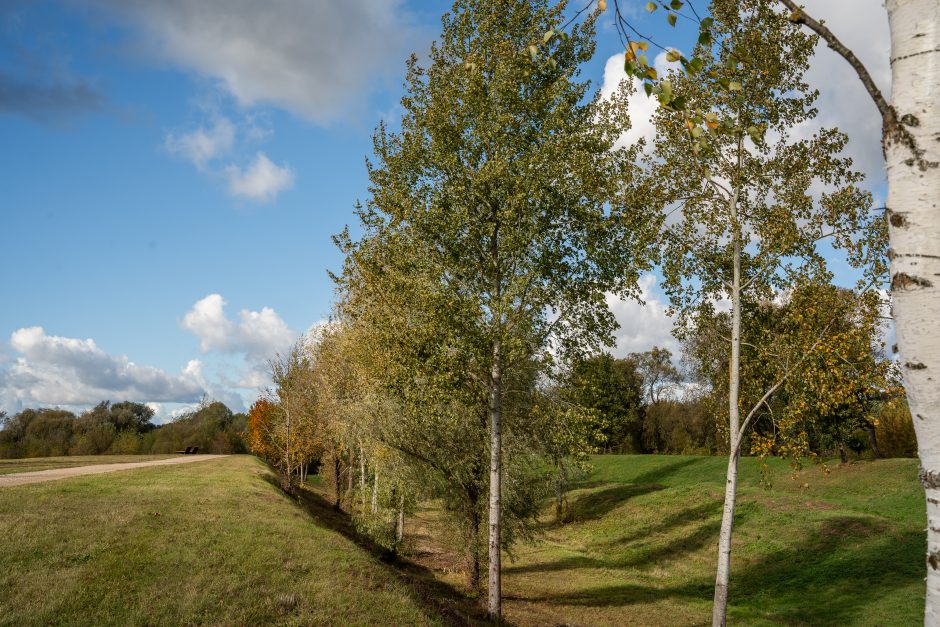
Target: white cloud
[(863, 26), (55, 370), (257, 334), (642, 326), (203, 144), (639, 106), (262, 181), (315, 58)]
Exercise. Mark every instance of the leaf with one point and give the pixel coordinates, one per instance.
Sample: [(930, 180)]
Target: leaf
[(697, 131), (601, 5), (652, 74), (671, 18), (548, 35), (650, 6), (678, 103), (533, 52), (705, 38), (673, 55), (734, 86), (648, 88), (711, 120), (675, 5), (643, 61)]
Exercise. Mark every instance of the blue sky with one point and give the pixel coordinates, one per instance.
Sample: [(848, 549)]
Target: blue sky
[(172, 172)]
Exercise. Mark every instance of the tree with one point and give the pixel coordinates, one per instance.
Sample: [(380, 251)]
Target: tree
[(743, 215), (909, 124), (660, 377), (497, 185), (610, 389)]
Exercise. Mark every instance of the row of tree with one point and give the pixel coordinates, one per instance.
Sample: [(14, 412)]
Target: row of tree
[(505, 211), (124, 428)]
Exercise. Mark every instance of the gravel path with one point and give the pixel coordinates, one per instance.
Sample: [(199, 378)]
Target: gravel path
[(38, 476)]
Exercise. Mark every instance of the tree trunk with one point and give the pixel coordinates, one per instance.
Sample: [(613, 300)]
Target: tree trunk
[(843, 456), (914, 218), (473, 540), (559, 494), (350, 479), (720, 607), (375, 492), (496, 425), (362, 477), (400, 528), (873, 440), (337, 483)]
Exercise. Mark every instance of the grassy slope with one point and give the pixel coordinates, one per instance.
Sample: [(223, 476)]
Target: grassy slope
[(848, 548), (211, 542), (30, 464)]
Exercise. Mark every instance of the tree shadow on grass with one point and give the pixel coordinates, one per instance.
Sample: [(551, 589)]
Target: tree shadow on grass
[(830, 579), (597, 504), (439, 600)]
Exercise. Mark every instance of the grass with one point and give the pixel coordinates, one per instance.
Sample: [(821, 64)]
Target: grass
[(31, 464), (216, 542), (211, 542), (843, 548)]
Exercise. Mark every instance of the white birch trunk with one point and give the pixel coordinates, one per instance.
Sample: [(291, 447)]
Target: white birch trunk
[(362, 477), (400, 529), (495, 544), (723, 572), (914, 215), (375, 493)]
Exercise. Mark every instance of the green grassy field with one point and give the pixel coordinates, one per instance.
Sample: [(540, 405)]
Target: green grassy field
[(211, 542), (216, 542), (843, 548), (31, 464)]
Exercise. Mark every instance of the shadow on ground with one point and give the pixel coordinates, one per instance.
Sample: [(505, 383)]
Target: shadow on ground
[(440, 601)]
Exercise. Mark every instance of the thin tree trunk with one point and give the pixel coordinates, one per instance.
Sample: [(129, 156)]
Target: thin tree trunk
[(362, 476), (873, 440), (496, 425), (914, 218), (473, 546), (337, 482), (723, 574), (843, 456), (350, 479), (400, 528), (375, 492)]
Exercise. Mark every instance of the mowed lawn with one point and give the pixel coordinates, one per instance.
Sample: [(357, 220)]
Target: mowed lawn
[(210, 542), (844, 548), (32, 464)]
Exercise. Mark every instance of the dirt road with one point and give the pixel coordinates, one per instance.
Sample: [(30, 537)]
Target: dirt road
[(23, 478)]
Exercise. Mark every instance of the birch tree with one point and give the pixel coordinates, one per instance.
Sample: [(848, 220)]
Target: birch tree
[(745, 213), (910, 126)]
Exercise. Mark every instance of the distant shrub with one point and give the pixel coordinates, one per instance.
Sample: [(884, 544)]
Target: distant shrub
[(895, 430)]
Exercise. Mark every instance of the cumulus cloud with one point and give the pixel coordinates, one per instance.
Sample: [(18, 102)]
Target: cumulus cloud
[(262, 181), (642, 326), (314, 58), (843, 102), (53, 370), (203, 144), (257, 334), (640, 106)]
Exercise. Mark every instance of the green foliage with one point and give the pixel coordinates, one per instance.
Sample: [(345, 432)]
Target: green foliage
[(121, 428), (612, 391)]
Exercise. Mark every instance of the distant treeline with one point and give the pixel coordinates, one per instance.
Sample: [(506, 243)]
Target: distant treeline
[(119, 428)]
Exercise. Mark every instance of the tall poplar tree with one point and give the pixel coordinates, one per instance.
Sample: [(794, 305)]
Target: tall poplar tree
[(749, 201), (498, 189)]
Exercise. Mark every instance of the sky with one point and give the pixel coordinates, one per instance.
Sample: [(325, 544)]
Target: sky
[(171, 174)]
